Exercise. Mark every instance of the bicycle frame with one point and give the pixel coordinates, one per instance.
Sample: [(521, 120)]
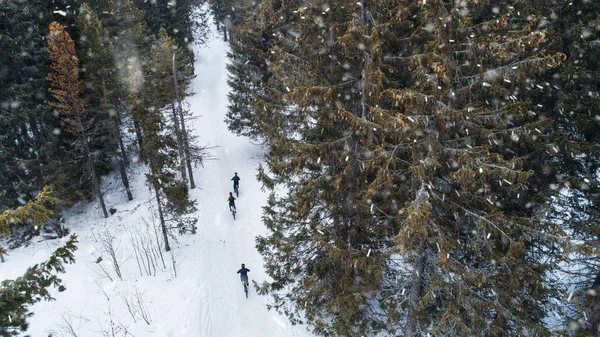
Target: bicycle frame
[(233, 211), (246, 285)]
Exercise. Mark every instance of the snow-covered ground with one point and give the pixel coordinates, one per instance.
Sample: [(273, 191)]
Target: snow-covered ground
[(206, 297)]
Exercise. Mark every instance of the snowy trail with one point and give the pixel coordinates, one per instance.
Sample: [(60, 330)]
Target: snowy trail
[(206, 297), (226, 243)]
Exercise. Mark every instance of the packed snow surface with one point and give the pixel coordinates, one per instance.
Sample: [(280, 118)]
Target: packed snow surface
[(205, 297)]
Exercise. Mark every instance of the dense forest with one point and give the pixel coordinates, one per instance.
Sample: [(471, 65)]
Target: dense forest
[(89, 89), (433, 165)]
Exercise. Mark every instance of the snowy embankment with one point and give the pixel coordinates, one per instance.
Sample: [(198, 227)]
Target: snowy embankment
[(202, 296)]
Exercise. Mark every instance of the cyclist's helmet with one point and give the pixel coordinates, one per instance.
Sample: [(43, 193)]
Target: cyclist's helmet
[(230, 193), (236, 173), (243, 265)]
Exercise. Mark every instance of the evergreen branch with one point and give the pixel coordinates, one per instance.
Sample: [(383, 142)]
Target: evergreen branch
[(37, 210), (16, 295), (480, 217), (513, 70), (287, 55)]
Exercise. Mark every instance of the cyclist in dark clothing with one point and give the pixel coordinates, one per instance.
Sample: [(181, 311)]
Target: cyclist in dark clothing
[(236, 180), (231, 201), (243, 273), (236, 183)]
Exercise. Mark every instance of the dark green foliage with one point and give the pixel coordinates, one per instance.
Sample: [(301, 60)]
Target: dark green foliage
[(35, 212), (569, 163), (228, 14), (248, 74), (418, 144), (26, 121), (105, 94), (69, 105), (159, 146), (17, 295), (35, 149), (184, 20)]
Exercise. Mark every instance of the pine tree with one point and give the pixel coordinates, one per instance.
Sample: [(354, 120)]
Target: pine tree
[(321, 161), (26, 121), (69, 105), (16, 295), (249, 72), (159, 148), (34, 213), (404, 149), (181, 131), (569, 162), (132, 51), (103, 90), (228, 14), (184, 20)]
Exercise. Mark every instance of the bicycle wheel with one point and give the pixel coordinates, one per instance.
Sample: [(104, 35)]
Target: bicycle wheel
[(246, 288), (237, 191)]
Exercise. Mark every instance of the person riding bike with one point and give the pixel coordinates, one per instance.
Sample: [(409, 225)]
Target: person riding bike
[(231, 201), (236, 182), (244, 274)]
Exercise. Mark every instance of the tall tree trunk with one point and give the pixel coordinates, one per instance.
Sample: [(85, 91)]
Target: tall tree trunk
[(179, 144), (186, 147), (116, 131), (186, 144), (415, 293), (139, 135), (124, 178), (95, 180), (161, 216), (121, 143)]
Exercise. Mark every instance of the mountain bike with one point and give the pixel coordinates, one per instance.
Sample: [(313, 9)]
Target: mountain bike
[(236, 190), (233, 211), (246, 286)]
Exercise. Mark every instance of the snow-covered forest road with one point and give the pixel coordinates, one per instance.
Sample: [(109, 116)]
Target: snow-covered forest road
[(223, 243)]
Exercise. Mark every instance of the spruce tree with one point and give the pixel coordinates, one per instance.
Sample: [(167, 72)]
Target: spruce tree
[(16, 295), (69, 105), (159, 148), (26, 121), (409, 204), (132, 49), (103, 90), (32, 214), (169, 66), (249, 72), (228, 14), (184, 20), (570, 160), (322, 162)]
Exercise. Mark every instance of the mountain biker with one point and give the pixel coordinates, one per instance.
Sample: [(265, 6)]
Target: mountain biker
[(236, 181), (244, 273), (231, 201)]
